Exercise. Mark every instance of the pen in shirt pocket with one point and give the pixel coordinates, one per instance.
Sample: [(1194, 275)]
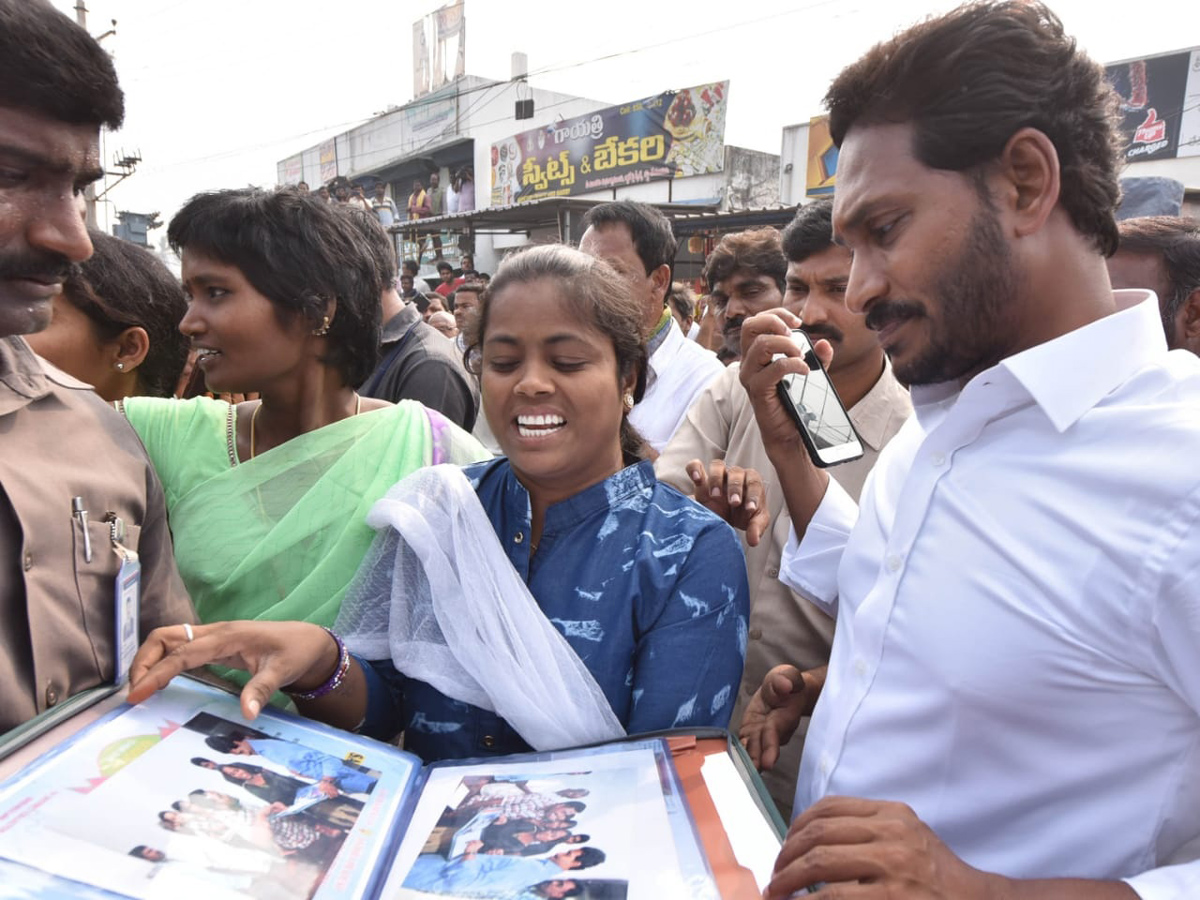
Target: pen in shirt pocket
[(81, 514)]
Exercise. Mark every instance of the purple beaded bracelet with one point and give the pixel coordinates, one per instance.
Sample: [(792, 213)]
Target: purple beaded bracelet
[(335, 680)]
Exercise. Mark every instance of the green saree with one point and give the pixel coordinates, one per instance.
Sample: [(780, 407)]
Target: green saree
[(280, 536)]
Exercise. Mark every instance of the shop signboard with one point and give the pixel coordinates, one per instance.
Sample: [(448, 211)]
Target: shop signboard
[(1153, 93), (328, 156), (669, 135), (821, 173)]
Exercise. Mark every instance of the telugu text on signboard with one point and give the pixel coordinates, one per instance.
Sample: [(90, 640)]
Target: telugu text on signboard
[(668, 135)]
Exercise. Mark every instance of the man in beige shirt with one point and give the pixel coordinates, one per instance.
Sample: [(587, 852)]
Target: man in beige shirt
[(68, 461), (785, 628)]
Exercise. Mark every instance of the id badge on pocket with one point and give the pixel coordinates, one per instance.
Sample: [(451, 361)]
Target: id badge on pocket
[(128, 601)]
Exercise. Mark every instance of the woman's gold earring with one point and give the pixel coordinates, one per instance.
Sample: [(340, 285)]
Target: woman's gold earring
[(628, 401), (324, 329)]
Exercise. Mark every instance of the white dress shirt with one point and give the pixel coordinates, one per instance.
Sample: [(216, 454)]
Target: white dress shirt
[(679, 370), (1017, 652)]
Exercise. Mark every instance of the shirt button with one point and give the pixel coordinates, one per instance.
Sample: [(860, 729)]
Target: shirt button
[(893, 563), (860, 667), (938, 459), (489, 741), (518, 537), (756, 634), (28, 561), (51, 693), (824, 767)]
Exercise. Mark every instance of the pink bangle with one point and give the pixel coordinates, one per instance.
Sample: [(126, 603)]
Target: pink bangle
[(335, 680)]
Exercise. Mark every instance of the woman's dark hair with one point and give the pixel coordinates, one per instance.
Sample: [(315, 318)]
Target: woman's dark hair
[(969, 80), (51, 66), (597, 294), (123, 286), (301, 254)]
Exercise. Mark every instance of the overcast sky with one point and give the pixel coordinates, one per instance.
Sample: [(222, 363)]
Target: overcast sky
[(217, 91)]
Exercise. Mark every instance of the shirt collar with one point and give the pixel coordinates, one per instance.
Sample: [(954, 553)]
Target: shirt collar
[(1070, 374), (660, 333), (600, 497), (22, 378), (396, 327)]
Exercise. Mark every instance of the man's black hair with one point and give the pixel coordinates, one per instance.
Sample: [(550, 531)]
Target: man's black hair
[(376, 240), (588, 857), (51, 66), (651, 232), (969, 80), (301, 254), (122, 286), (222, 743), (810, 232), (1175, 240)]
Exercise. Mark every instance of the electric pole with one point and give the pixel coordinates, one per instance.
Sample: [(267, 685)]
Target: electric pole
[(89, 193)]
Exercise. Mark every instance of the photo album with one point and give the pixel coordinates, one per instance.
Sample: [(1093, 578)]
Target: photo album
[(180, 797)]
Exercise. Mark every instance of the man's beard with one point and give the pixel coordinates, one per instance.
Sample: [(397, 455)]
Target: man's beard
[(975, 296)]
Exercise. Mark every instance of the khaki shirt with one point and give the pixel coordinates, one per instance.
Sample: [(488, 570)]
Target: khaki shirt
[(784, 627), (58, 440)]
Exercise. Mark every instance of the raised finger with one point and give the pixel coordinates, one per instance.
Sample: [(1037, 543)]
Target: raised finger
[(734, 483), (715, 483), (695, 471)]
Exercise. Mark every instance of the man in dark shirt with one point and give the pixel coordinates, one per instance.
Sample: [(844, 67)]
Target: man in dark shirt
[(416, 362)]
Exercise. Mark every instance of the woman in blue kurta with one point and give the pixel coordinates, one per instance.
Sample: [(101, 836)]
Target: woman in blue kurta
[(647, 587)]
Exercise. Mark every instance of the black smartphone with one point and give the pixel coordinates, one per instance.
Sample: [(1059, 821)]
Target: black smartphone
[(818, 412)]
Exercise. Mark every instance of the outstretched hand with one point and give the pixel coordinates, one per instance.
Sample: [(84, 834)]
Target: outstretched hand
[(276, 654), (735, 494), (775, 711)]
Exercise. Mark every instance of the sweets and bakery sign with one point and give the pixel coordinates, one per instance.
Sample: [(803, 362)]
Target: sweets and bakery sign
[(669, 135)]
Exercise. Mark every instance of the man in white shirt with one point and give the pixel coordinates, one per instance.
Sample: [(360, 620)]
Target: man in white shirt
[(1012, 705), (636, 240)]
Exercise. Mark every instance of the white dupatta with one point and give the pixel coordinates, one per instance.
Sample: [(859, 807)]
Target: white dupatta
[(437, 595)]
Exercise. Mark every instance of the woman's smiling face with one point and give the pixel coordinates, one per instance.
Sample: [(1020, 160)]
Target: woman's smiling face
[(551, 391)]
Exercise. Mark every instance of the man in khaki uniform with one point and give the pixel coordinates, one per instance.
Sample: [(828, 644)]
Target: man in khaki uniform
[(63, 452), (721, 425)]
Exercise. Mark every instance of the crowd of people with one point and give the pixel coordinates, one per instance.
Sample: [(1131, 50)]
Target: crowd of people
[(966, 662)]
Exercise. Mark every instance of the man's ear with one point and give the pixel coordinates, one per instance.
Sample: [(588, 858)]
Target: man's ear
[(1029, 180), (660, 281), (1187, 323)]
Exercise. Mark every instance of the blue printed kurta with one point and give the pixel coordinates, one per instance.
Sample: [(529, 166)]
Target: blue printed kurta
[(647, 586)]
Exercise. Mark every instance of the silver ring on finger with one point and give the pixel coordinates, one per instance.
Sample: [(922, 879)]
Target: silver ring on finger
[(188, 633)]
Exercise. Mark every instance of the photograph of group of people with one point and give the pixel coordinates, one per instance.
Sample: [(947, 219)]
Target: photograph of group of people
[(192, 805), (518, 833)]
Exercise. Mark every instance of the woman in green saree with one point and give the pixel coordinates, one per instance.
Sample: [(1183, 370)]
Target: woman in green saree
[(267, 498)]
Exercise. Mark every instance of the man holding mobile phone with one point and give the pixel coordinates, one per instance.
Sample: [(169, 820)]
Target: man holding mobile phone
[(720, 427), (1013, 698)]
